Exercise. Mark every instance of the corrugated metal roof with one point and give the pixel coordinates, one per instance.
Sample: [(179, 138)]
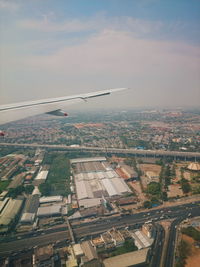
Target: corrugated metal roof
[(127, 259), (110, 188), (79, 160), (50, 210), (120, 185), (27, 217), (42, 175), (83, 190), (51, 199), (9, 212), (87, 203)]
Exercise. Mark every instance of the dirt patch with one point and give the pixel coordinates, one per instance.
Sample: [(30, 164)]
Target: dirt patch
[(194, 259), (150, 167), (137, 189), (174, 190)]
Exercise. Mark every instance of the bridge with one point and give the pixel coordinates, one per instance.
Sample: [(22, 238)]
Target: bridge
[(194, 156)]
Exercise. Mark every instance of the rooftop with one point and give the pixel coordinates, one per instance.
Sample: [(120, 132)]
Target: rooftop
[(127, 259)]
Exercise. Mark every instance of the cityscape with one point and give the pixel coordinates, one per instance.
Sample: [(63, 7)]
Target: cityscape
[(99, 133), (62, 205)]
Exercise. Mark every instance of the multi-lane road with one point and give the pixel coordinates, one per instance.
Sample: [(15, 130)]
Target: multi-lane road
[(86, 230)]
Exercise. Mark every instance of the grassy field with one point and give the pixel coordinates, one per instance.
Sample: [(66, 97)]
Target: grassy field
[(58, 180)]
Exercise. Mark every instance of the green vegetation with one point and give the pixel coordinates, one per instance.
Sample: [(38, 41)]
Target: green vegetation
[(154, 188), (14, 192), (58, 180), (184, 250), (45, 189), (147, 204), (192, 232), (28, 189), (185, 186), (196, 189), (128, 246), (3, 185)]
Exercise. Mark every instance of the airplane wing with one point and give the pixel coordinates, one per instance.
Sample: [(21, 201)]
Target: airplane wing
[(13, 112)]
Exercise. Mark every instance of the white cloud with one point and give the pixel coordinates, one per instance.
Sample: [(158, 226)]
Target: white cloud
[(117, 53), (8, 5), (48, 23)]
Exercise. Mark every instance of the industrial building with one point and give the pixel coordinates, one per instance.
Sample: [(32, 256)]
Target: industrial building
[(141, 239), (54, 210), (42, 175), (94, 179), (135, 258), (51, 199), (8, 213), (31, 207)]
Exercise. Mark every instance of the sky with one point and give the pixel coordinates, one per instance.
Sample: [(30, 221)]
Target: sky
[(54, 48)]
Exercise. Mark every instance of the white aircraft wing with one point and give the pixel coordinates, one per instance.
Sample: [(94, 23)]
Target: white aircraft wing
[(13, 112)]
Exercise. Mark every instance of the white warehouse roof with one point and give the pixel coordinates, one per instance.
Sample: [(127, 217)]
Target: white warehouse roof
[(110, 188), (80, 160), (42, 175), (27, 217), (120, 185), (51, 199), (83, 190), (49, 211)]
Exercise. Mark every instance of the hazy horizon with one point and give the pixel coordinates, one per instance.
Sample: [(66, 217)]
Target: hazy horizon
[(51, 49)]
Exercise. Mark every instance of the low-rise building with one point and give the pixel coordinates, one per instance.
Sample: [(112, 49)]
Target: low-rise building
[(117, 237), (51, 199), (53, 210), (135, 258), (9, 212), (90, 258), (108, 241)]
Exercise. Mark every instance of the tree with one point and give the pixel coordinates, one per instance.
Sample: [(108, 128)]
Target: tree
[(29, 189), (147, 204), (45, 189), (154, 188), (185, 186), (14, 192)]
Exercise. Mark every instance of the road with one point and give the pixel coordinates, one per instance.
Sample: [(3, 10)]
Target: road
[(157, 247), (135, 152), (18, 245), (86, 230)]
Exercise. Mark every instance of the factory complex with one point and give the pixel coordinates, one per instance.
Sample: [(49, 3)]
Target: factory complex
[(95, 179)]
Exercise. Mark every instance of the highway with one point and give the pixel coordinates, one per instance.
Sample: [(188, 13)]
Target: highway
[(87, 230), (157, 247), (135, 152)]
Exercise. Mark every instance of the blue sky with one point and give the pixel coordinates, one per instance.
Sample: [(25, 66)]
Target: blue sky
[(54, 48)]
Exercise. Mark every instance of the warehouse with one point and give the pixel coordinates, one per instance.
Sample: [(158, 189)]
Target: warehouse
[(27, 218), (83, 190), (94, 178), (3, 204), (120, 185), (42, 175), (51, 199), (110, 188), (80, 160), (54, 210), (31, 207), (135, 258), (9, 212)]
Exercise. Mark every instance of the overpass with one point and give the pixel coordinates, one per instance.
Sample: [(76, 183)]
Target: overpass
[(118, 151)]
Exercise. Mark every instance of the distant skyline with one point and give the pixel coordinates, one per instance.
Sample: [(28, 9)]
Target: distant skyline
[(55, 48)]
